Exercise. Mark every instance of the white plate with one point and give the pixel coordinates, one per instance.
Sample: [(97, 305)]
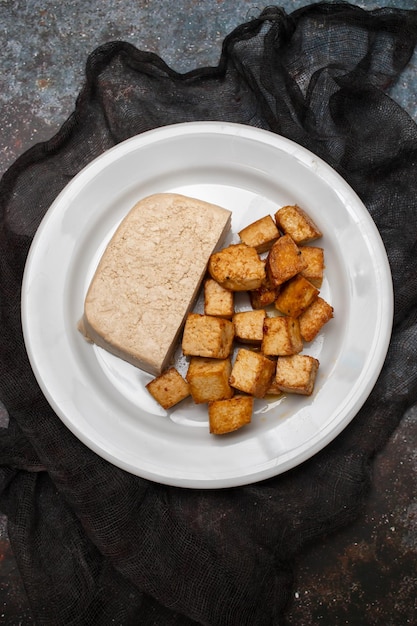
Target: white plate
[(102, 400)]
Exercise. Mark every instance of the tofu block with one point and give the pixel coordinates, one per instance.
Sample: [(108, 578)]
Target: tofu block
[(169, 388), (260, 234), (226, 416), (208, 379), (314, 318), (281, 337), (207, 336), (237, 267), (249, 326), (296, 374), (284, 261), (148, 278), (295, 296), (294, 221), (264, 296), (218, 301), (314, 259), (252, 372)]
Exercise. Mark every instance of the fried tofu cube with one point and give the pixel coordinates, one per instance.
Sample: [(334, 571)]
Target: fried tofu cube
[(208, 336), (260, 234), (237, 267), (314, 318), (314, 259), (249, 326), (226, 416), (295, 296), (296, 374), (263, 296), (252, 372), (294, 221), (209, 379), (169, 388), (218, 301), (281, 337), (273, 389), (284, 261)]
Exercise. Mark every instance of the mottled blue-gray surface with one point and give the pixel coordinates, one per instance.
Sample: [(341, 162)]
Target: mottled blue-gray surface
[(363, 575)]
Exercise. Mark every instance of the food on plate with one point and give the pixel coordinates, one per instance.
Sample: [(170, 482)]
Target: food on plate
[(314, 318), (169, 388), (260, 234), (296, 296), (264, 295), (249, 326), (284, 261), (218, 301), (237, 267), (296, 374), (209, 379), (225, 416), (149, 276), (314, 260), (207, 336), (281, 337), (294, 221), (252, 372)]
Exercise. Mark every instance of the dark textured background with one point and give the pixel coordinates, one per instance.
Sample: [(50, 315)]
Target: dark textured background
[(365, 574)]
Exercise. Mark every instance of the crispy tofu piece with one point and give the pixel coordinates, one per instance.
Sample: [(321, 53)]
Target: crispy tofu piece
[(284, 261), (225, 416), (281, 337), (294, 221), (209, 379), (263, 296), (314, 259), (252, 372), (296, 374), (249, 326), (218, 301), (208, 336), (237, 267), (260, 234), (314, 318), (295, 296), (169, 388)]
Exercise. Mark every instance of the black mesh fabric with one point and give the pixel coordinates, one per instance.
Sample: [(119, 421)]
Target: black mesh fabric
[(96, 545)]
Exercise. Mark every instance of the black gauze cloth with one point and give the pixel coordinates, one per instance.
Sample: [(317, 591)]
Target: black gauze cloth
[(96, 545)]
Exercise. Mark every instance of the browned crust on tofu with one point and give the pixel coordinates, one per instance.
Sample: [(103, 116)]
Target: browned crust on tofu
[(295, 296), (296, 374), (284, 261), (207, 336), (261, 234), (218, 301), (314, 318), (169, 388), (314, 259), (209, 379), (149, 275), (252, 372), (249, 326), (237, 267), (226, 416), (282, 336), (294, 221)]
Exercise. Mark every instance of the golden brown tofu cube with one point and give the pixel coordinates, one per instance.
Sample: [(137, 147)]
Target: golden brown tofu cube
[(273, 389), (314, 259), (237, 267), (263, 296), (225, 416), (249, 326), (169, 388), (252, 372), (209, 379), (294, 221), (284, 261), (218, 301), (282, 336), (314, 318), (296, 374), (295, 296), (260, 234), (208, 336)]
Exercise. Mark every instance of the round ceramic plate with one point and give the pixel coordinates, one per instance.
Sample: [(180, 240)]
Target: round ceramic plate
[(103, 400)]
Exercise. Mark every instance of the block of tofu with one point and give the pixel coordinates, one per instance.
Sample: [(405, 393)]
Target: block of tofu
[(169, 388), (249, 326), (237, 267), (218, 301), (149, 276), (295, 296), (252, 372), (314, 318), (282, 336), (208, 336), (264, 295), (226, 416), (294, 221), (260, 234), (314, 259), (209, 379), (296, 374), (284, 261)]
